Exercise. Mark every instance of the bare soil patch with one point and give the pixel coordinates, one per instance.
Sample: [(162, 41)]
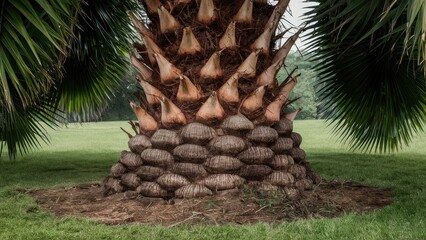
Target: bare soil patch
[(326, 200)]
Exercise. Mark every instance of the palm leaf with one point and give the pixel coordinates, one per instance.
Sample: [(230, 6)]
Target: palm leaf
[(97, 59), (371, 87), (43, 68), (24, 129), (33, 39), (33, 42)]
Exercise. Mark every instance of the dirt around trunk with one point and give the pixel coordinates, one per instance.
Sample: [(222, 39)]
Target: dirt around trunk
[(327, 200)]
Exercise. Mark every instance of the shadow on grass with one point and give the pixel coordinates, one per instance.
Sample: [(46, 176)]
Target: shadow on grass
[(400, 172), (49, 169)]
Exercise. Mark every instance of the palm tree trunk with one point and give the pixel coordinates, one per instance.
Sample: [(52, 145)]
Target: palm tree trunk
[(205, 58)]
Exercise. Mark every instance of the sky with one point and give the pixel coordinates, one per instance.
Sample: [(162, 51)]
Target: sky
[(297, 9), (294, 15)]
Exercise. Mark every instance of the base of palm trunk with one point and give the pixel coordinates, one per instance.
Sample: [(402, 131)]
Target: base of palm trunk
[(198, 160)]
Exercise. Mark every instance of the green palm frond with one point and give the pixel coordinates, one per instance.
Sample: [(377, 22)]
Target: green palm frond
[(66, 54), (372, 83), (33, 40), (97, 59), (24, 129), (33, 43)]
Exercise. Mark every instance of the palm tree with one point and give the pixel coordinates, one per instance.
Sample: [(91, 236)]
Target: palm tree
[(58, 58), (68, 56)]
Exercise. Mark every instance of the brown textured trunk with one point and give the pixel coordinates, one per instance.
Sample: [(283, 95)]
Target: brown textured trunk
[(209, 70)]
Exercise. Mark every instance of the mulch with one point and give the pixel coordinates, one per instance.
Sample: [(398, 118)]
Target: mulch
[(326, 200)]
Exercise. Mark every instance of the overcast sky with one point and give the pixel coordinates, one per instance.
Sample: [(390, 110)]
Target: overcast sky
[(297, 9)]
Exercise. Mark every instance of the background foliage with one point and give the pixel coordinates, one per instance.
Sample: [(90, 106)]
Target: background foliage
[(305, 88)]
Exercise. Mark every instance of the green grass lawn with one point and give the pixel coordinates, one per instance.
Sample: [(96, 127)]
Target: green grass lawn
[(84, 153)]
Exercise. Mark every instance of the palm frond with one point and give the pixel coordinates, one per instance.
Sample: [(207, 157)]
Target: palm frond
[(33, 44), (97, 61), (370, 86), (33, 40), (65, 54), (24, 129)]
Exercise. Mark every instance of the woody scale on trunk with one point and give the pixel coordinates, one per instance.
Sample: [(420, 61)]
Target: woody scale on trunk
[(213, 116)]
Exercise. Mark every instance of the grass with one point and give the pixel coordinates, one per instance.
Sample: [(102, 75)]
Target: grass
[(84, 153)]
